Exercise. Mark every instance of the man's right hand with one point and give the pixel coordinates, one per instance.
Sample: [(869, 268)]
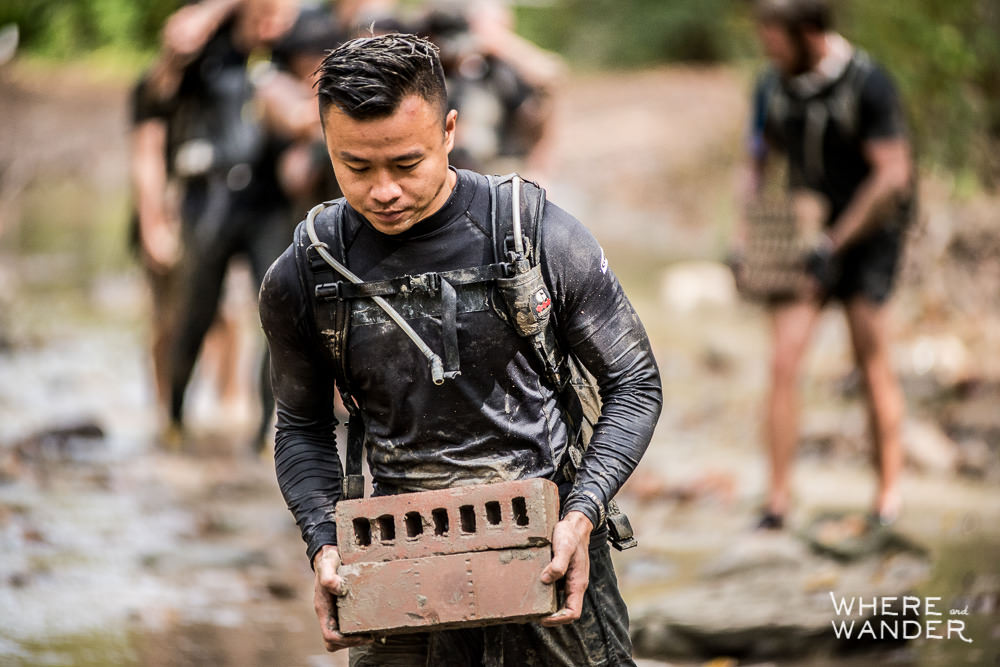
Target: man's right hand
[(819, 264), (189, 28), (160, 243), (330, 586)]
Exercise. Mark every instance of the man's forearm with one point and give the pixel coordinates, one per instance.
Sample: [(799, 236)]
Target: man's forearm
[(888, 180), (871, 198), (149, 176), (309, 475), (631, 401)]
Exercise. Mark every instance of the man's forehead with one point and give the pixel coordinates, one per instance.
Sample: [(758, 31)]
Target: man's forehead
[(413, 120)]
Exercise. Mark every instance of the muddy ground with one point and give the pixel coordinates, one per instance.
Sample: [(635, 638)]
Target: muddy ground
[(117, 552)]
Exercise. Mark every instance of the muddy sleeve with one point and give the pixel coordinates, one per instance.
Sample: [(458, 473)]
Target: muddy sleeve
[(305, 452), (600, 326)]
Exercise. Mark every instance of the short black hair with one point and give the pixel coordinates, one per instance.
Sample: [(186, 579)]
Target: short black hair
[(796, 14), (368, 77)]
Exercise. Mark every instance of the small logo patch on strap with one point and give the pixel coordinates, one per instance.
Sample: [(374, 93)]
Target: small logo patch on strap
[(542, 301), (604, 262)]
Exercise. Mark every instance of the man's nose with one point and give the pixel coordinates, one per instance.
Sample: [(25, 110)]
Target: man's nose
[(385, 190)]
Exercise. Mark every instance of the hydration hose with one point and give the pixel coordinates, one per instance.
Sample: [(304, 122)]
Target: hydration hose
[(437, 367)]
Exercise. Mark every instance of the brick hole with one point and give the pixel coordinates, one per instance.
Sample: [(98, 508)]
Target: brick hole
[(387, 527), (440, 518), (520, 511), (414, 524), (467, 515), (493, 513), (363, 532)]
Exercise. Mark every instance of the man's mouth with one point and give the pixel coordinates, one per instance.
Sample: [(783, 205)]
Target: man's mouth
[(389, 216)]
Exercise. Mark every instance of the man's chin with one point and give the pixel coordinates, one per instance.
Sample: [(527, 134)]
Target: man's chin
[(391, 224)]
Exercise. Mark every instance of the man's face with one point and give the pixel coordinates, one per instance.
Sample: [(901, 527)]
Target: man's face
[(780, 49), (393, 170)]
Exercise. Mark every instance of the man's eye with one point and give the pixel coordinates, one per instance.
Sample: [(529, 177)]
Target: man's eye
[(408, 167), (357, 170)]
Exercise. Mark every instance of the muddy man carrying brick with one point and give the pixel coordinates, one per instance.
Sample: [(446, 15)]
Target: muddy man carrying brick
[(479, 390)]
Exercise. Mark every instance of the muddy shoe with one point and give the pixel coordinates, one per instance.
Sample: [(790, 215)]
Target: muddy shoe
[(770, 521), (171, 438), (851, 536)]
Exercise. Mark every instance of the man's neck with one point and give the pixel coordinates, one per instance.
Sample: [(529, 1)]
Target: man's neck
[(832, 55), (443, 195)]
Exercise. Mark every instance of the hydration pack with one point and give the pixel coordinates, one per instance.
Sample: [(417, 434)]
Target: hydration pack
[(524, 302), (838, 103)]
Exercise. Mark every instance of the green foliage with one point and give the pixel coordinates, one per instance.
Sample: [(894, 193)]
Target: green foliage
[(946, 58), (65, 29), (625, 33), (944, 55)]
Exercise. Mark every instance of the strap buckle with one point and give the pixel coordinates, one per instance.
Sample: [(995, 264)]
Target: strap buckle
[(425, 282), (354, 487), (620, 533), (327, 291)]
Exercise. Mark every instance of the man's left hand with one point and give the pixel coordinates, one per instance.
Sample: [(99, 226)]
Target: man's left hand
[(570, 558)]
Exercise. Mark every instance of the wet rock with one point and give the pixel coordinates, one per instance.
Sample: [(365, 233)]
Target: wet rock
[(757, 552), (10, 466), (33, 534), (833, 433), (649, 487), (215, 525), (688, 286), (944, 358), (975, 459), (766, 597), (716, 360), (281, 590), (928, 448), (975, 417), (18, 580), (249, 559), (852, 536), (645, 569), (72, 442)]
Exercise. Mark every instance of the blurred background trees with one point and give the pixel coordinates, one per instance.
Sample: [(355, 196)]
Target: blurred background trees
[(945, 55)]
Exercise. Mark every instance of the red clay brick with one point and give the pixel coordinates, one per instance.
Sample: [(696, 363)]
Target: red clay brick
[(412, 525), (469, 589)]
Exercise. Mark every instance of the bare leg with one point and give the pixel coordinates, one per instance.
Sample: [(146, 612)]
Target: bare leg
[(221, 351), (870, 334), (163, 311), (793, 324)]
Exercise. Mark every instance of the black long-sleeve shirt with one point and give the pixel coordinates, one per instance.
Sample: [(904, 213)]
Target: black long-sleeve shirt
[(498, 420)]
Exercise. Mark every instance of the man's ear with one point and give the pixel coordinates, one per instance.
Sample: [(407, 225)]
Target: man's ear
[(450, 122)]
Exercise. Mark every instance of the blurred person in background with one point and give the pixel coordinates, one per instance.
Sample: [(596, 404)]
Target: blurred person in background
[(503, 86), (155, 226), (285, 96), (361, 17), (197, 125), (837, 118)]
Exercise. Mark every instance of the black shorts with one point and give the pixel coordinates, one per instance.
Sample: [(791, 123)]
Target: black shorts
[(868, 267)]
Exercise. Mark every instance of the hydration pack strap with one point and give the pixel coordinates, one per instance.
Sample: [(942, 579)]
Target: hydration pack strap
[(429, 283), (332, 322), (436, 367)]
